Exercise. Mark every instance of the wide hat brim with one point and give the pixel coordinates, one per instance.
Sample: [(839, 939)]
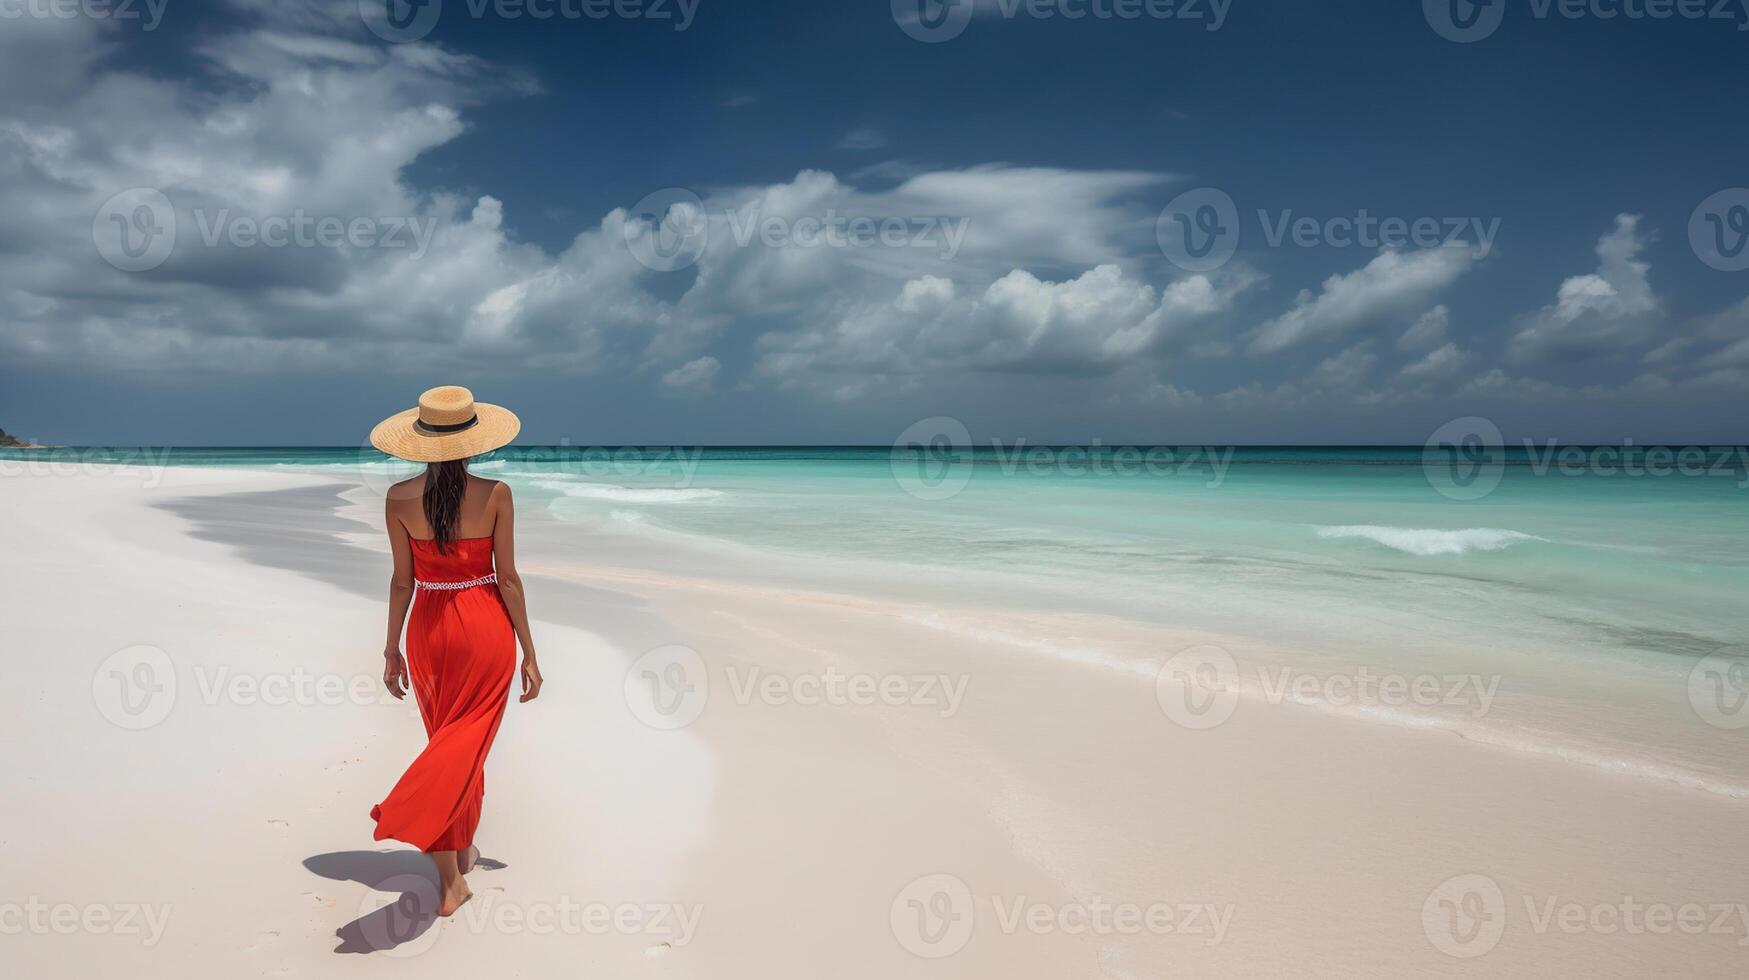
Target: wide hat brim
[(396, 435)]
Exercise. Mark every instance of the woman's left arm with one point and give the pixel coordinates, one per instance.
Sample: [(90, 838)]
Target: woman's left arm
[(510, 586)]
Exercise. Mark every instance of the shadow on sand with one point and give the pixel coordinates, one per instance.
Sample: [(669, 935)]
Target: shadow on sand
[(402, 920)]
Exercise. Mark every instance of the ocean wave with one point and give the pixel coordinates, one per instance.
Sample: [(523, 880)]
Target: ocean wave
[(1431, 541), (629, 495)]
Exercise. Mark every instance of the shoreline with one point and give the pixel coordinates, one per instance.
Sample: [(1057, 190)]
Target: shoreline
[(796, 822)]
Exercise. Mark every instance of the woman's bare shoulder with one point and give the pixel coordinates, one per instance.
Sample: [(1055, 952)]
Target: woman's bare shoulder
[(406, 494)]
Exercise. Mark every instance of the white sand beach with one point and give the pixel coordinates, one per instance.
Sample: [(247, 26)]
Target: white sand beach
[(859, 787)]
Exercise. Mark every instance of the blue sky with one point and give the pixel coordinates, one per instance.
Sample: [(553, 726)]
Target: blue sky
[(508, 174)]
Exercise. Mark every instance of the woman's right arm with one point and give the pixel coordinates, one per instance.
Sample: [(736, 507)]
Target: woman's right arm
[(400, 597)]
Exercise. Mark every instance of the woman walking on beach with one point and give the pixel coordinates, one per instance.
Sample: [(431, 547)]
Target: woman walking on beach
[(452, 534)]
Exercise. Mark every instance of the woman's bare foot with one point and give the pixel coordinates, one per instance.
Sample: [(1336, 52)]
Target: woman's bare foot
[(454, 897), (465, 860), (452, 886)]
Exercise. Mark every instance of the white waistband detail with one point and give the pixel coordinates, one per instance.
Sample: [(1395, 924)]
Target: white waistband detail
[(453, 586)]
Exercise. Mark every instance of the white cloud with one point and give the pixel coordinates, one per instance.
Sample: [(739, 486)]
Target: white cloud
[(1601, 313), (1437, 365), (1056, 273), (1496, 384), (1394, 284), (695, 378), (1095, 323), (314, 122), (1427, 332)]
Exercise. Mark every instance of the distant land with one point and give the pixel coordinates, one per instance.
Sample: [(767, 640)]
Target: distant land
[(13, 442)]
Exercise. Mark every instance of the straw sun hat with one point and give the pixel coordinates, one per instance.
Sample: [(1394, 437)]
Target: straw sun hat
[(448, 424)]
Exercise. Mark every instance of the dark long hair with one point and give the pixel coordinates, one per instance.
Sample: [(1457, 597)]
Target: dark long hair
[(445, 485)]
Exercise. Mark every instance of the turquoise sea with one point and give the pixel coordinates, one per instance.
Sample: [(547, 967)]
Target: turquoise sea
[(1591, 580), (1592, 550)]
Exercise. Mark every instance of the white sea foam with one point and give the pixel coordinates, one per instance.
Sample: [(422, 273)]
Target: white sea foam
[(1078, 654), (1431, 541), (629, 495)]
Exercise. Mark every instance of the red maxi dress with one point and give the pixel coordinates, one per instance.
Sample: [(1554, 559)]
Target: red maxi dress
[(461, 655)]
